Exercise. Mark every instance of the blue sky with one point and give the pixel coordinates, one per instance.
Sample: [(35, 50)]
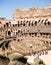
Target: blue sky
[(7, 7)]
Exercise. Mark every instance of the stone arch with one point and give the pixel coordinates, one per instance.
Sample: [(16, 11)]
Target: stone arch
[(45, 23), (39, 20), (9, 33), (29, 24), (48, 22), (32, 23), (35, 22), (24, 24), (7, 24)]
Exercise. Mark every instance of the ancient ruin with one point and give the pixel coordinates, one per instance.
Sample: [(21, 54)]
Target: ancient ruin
[(27, 36)]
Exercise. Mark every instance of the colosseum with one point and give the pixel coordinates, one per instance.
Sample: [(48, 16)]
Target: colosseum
[(28, 34)]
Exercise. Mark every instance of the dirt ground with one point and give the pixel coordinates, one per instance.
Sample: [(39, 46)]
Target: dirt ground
[(4, 62)]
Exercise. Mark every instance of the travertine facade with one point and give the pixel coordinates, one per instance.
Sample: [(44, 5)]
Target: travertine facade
[(34, 12), (34, 21)]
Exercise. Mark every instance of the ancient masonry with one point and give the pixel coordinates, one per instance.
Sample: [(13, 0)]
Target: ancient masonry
[(33, 21), (31, 27)]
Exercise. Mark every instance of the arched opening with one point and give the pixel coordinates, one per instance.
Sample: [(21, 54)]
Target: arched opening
[(27, 21), (21, 23), (4, 26), (9, 33), (48, 23), (18, 25), (32, 23), (46, 19), (29, 24), (35, 22), (41, 34), (7, 24), (38, 20), (50, 42), (44, 23), (13, 25), (24, 24)]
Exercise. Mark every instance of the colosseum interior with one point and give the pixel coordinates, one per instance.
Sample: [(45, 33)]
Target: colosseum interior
[(27, 34)]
